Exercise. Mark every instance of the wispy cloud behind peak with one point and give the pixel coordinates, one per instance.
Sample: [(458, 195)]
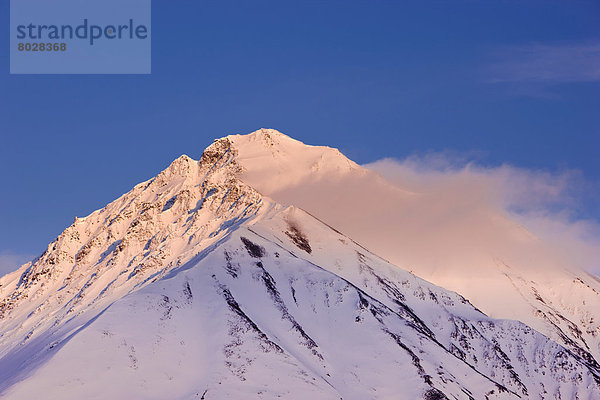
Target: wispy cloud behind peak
[(547, 203)]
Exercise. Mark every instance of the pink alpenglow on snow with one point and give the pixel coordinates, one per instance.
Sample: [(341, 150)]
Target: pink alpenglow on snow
[(273, 269)]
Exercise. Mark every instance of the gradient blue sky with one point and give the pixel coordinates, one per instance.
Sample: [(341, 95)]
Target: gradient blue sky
[(513, 82)]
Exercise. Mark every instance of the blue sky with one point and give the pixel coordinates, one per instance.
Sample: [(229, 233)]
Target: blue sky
[(492, 81)]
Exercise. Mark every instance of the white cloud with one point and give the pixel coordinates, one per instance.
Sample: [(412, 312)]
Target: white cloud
[(544, 63), (545, 203)]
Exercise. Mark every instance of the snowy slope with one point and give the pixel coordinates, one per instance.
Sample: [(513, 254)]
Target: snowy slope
[(157, 226), (194, 285), (258, 318)]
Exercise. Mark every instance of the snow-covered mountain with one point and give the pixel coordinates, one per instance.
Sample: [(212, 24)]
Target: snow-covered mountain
[(210, 281), (504, 270)]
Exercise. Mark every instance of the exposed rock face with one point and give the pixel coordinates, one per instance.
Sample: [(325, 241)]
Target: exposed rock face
[(156, 227)]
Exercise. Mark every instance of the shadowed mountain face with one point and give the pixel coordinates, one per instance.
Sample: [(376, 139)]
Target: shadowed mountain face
[(196, 285)]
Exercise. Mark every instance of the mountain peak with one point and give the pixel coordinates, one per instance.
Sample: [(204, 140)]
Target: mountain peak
[(182, 165), (269, 138), (268, 133), (269, 160)]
